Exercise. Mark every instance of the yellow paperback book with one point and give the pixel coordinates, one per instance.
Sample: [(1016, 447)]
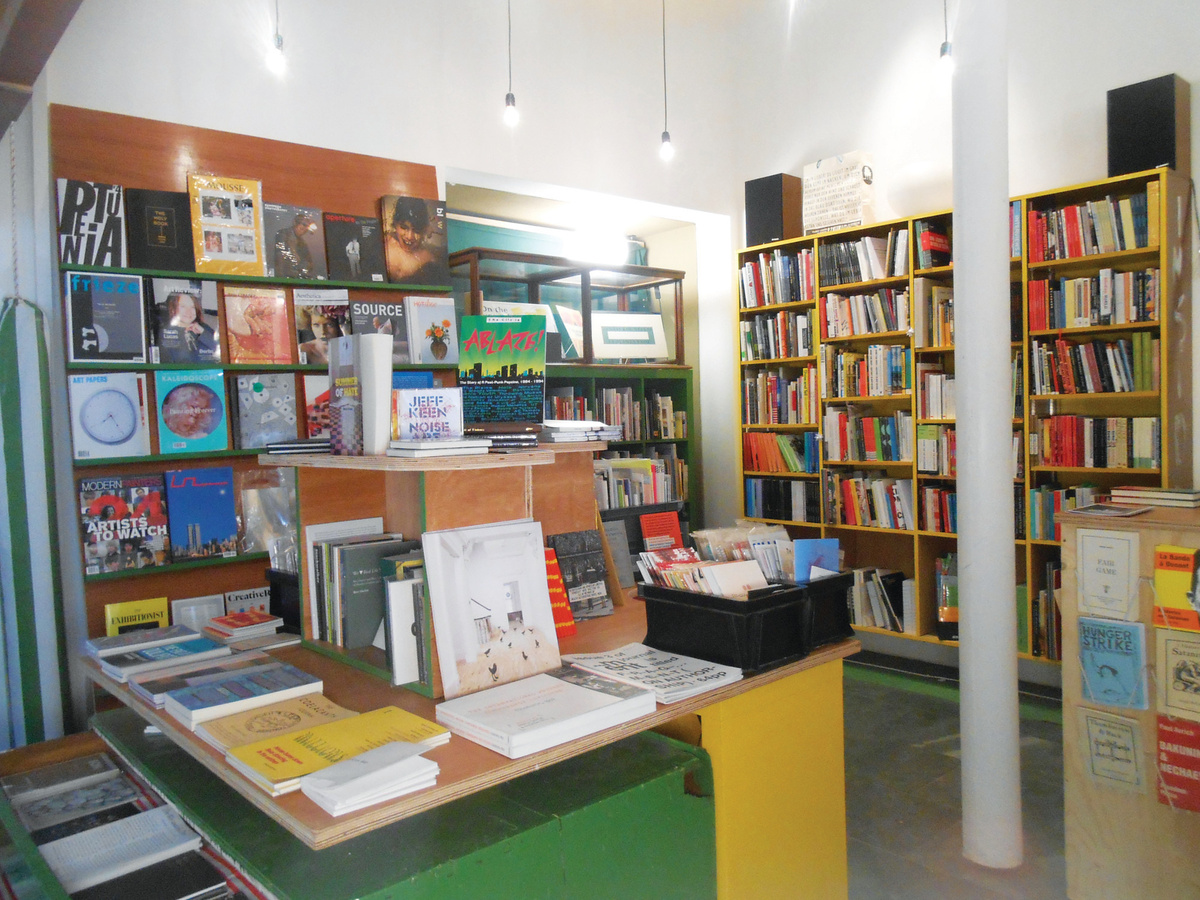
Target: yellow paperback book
[(277, 764), (227, 224), (272, 721), (129, 615), (1176, 599)]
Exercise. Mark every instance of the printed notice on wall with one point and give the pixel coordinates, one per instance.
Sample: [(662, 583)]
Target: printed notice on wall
[(839, 192), (1107, 573), (1179, 763)]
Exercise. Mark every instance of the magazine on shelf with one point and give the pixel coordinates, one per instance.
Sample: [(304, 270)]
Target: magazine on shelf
[(124, 522), (266, 409), (256, 326), (354, 248), (106, 317), (159, 230), (91, 224), (200, 504), (191, 410), (109, 414), (295, 240), (185, 325), (321, 314), (227, 224), (414, 240), (24, 787)]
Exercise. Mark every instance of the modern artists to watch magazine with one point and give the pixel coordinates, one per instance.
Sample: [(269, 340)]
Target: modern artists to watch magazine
[(124, 522)]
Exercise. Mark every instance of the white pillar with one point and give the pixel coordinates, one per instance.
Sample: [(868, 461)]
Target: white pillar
[(991, 765)]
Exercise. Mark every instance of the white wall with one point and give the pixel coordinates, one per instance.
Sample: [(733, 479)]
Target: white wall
[(755, 87)]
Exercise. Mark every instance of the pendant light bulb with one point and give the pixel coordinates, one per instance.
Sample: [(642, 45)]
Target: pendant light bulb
[(666, 152), (511, 115), (945, 57)]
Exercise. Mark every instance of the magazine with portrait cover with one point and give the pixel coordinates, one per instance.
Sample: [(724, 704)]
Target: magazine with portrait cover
[(185, 324), (414, 240), (354, 248), (295, 241)]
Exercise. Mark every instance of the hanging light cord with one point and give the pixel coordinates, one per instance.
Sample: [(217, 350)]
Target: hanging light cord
[(945, 22), (664, 55), (510, 46)]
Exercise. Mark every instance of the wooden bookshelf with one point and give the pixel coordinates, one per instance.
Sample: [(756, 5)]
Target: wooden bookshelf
[(1164, 246)]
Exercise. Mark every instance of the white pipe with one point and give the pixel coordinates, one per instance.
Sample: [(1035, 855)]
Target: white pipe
[(991, 763)]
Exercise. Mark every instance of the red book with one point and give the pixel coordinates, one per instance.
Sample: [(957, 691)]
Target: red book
[(660, 531), (560, 606), (235, 623)]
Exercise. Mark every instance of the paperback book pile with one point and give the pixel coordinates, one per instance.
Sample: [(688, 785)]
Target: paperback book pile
[(239, 691), (672, 676), (566, 430), (153, 687), (379, 774), (419, 449), (1155, 496), (238, 626), (278, 763), (271, 721), (140, 639), (544, 710), (120, 666), (301, 445), (682, 568)]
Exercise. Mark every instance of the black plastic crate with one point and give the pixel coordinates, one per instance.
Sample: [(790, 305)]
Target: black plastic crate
[(767, 630)]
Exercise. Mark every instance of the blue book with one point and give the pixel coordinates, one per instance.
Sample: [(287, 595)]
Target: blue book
[(1112, 662), (122, 665), (191, 410), (240, 691), (821, 552)]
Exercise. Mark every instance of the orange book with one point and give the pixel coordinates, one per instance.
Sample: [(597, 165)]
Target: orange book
[(256, 321), (560, 606)]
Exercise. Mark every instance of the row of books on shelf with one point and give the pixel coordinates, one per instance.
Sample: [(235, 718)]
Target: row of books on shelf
[(782, 335), (221, 225), (136, 521), (777, 277), (622, 482), (931, 245), (765, 451), (937, 449), (883, 370), (853, 437), (936, 395), (652, 418), (1046, 501), (939, 509), (1107, 298), (868, 499), (849, 315), (1099, 442), (1097, 226), (780, 398), (868, 258), (785, 500), (1096, 367), (882, 598), (106, 835), (933, 313), (115, 318)]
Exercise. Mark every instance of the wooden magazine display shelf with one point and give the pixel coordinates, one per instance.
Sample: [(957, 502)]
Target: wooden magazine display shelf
[(466, 767)]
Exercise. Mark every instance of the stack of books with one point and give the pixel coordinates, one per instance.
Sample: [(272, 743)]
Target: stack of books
[(238, 691), (420, 448), (278, 763), (300, 445), (544, 710), (252, 623), (153, 687), (122, 666), (566, 430), (1156, 496)]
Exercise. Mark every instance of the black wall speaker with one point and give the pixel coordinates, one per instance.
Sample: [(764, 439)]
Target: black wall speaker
[(1149, 125), (773, 209)]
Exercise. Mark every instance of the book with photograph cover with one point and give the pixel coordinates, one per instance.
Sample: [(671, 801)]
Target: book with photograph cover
[(191, 410), (109, 415), (295, 241), (124, 522), (266, 409), (502, 371), (91, 224), (492, 617), (185, 323), (202, 512), (414, 240), (256, 326), (227, 224), (432, 334), (159, 227), (354, 248), (321, 314), (585, 576), (382, 317), (106, 318), (316, 405)]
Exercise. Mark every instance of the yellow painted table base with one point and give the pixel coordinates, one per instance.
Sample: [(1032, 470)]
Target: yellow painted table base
[(780, 785)]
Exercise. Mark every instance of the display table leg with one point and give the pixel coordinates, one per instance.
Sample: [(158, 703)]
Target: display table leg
[(780, 787)]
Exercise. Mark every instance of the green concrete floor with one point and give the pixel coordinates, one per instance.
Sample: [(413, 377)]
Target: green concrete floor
[(903, 790)]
